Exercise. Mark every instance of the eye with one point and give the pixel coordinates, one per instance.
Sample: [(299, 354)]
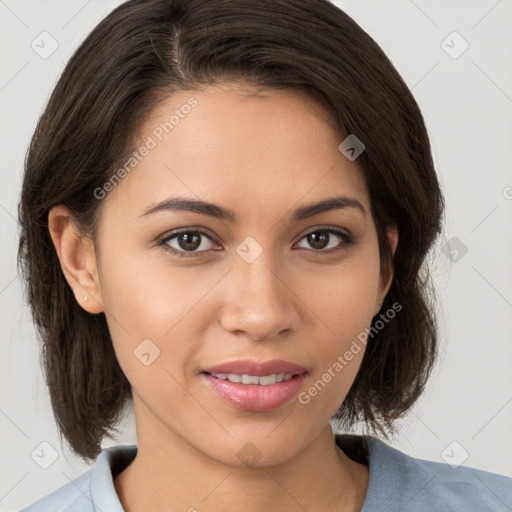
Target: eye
[(322, 240), (194, 242), (187, 243)]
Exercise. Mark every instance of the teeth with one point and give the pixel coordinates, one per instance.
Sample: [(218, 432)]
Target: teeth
[(254, 379), (268, 379), (248, 379)]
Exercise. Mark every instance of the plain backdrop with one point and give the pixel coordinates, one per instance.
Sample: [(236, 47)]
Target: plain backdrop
[(456, 58)]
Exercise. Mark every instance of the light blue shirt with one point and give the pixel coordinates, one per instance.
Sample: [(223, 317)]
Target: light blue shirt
[(397, 483)]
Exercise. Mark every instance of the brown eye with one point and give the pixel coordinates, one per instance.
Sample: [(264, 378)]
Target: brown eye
[(192, 242), (323, 240)]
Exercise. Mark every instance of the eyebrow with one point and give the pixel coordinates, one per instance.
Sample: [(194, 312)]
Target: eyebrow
[(219, 212)]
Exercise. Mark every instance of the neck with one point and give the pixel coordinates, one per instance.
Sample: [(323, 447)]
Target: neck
[(176, 476)]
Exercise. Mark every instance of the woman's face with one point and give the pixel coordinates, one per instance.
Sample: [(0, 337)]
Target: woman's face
[(268, 283)]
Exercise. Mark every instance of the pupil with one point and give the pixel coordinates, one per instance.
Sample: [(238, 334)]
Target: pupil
[(191, 242), (318, 241)]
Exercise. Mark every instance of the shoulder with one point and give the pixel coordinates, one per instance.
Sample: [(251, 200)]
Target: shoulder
[(93, 490), (419, 485), (73, 496)]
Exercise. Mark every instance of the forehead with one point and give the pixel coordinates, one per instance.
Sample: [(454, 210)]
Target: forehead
[(258, 150)]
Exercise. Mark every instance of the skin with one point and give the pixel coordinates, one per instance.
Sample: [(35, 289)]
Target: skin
[(262, 157)]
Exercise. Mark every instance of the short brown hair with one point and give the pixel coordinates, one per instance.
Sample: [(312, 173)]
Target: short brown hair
[(147, 49)]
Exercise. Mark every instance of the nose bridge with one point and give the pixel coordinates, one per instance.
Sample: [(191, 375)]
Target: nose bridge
[(261, 280), (261, 304), (253, 265)]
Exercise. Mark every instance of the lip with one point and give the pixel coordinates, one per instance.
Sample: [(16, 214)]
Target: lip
[(252, 397), (259, 368)]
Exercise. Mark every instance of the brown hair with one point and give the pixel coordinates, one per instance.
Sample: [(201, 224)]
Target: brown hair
[(146, 49)]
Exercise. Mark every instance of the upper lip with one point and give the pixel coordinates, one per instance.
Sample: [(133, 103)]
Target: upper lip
[(256, 368)]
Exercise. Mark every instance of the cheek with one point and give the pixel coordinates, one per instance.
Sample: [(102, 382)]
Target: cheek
[(343, 297), (149, 295), (343, 303), (155, 308)]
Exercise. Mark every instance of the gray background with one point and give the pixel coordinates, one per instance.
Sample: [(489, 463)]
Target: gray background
[(466, 413)]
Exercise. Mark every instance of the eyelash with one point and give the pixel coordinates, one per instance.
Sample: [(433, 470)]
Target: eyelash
[(163, 241)]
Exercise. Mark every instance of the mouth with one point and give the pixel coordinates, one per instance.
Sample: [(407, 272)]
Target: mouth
[(255, 386), (255, 380), (253, 368)]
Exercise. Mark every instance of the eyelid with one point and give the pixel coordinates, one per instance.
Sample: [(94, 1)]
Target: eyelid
[(166, 237), (346, 237), (325, 227), (174, 232)]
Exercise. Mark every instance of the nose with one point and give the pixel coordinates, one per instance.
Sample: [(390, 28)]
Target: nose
[(261, 303)]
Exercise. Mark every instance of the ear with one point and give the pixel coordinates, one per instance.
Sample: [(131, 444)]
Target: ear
[(77, 258), (386, 280)]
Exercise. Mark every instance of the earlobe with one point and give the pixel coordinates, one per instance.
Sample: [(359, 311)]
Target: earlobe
[(77, 259)]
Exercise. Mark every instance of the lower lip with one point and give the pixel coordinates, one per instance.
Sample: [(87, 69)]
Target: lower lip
[(255, 397)]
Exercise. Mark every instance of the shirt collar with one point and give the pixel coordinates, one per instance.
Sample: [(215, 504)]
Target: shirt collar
[(110, 462)]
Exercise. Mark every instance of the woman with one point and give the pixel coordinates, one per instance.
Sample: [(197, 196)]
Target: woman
[(225, 216)]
